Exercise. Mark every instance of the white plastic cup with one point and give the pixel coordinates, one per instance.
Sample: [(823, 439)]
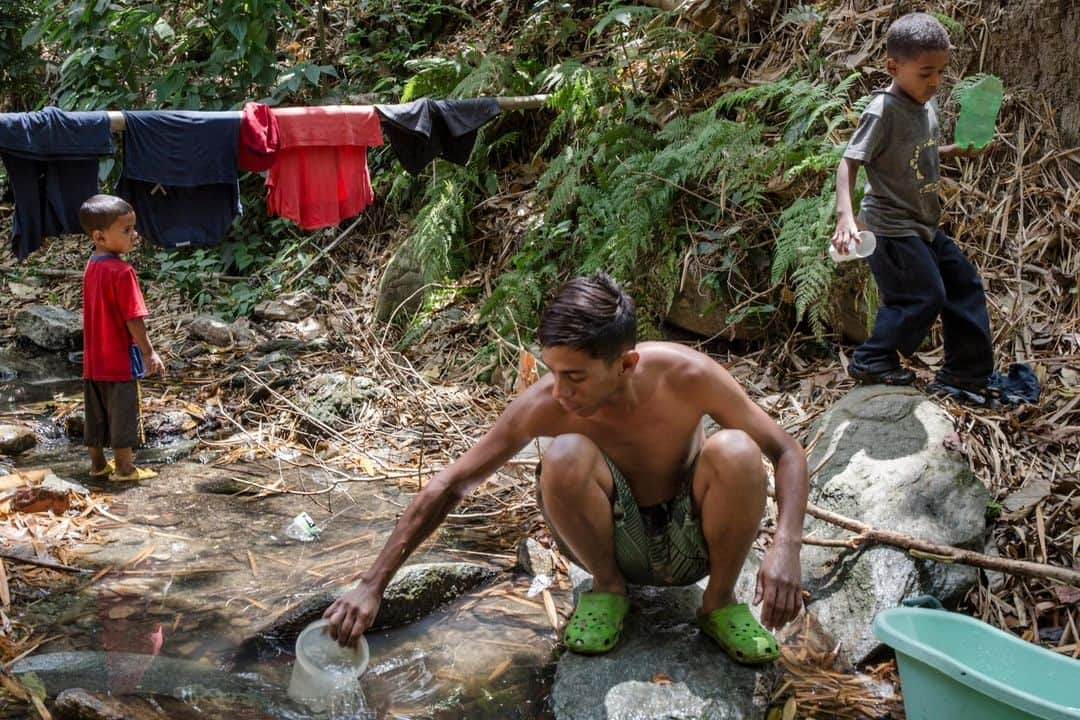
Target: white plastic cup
[(862, 249), (324, 671)]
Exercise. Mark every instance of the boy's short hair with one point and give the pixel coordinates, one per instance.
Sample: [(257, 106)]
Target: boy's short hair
[(101, 211), (915, 33), (590, 314)]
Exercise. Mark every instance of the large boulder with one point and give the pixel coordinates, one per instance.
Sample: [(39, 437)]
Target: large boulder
[(15, 439), (881, 458), (703, 310), (401, 287), (50, 327), (663, 668)]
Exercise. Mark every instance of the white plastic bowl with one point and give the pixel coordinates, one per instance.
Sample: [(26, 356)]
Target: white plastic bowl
[(862, 249), (324, 670)]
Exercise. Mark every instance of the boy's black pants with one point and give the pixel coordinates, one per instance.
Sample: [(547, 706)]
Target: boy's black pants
[(919, 281)]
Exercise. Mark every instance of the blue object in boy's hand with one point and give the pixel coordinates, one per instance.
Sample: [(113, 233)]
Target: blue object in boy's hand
[(138, 368)]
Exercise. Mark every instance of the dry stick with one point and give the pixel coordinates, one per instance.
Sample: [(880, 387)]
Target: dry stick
[(926, 550), (41, 563)]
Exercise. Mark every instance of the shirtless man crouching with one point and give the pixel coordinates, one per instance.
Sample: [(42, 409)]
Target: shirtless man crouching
[(630, 487)]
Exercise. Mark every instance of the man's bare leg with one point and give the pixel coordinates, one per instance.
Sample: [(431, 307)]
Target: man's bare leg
[(729, 493), (576, 492)]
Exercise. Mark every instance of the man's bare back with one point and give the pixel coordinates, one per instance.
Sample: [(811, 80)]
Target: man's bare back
[(652, 432)]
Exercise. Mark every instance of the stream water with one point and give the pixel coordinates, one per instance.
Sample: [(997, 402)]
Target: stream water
[(191, 573)]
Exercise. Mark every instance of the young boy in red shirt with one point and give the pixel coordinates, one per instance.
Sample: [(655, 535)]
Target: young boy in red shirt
[(114, 341)]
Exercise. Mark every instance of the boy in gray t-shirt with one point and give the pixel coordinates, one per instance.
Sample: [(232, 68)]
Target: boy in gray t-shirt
[(919, 270)]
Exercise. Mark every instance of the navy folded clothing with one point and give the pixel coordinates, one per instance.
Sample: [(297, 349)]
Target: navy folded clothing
[(1017, 387), (423, 129), (51, 158), (180, 175)]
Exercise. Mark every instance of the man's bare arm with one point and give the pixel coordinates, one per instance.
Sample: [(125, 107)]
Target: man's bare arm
[(732, 408), (353, 613), (433, 503)]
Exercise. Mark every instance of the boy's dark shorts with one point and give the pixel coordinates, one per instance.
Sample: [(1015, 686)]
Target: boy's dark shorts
[(112, 414)]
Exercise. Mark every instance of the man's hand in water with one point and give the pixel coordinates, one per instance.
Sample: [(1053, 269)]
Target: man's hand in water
[(779, 585), (353, 613)]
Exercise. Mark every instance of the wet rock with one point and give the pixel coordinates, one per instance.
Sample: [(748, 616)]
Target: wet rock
[(134, 673), (50, 327), (15, 439), (882, 459), (75, 424), (169, 453), (290, 307), (169, 423), (78, 704), (336, 397), (277, 361), (227, 486), (7, 374), (534, 558), (661, 636), (415, 591)]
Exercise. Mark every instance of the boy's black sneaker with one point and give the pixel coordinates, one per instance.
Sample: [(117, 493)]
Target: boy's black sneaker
[(893, 376)]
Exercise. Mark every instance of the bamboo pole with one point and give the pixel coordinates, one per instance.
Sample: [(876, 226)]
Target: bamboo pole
[(937, 552), (520, 102)]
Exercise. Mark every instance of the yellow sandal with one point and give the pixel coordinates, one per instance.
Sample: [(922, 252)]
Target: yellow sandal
[(109, 469), (139, 474)]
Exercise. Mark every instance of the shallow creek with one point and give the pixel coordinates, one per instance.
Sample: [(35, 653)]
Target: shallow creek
[(189, 574)]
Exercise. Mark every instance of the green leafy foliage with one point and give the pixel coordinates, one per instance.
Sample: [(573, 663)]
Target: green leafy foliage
[(21, 70), (623, 195)]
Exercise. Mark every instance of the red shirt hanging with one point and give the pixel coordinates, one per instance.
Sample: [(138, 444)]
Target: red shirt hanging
[(321, 176), (111, 297)]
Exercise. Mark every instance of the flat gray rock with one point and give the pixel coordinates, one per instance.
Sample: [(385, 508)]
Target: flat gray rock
[(663, 668), (882, 460)]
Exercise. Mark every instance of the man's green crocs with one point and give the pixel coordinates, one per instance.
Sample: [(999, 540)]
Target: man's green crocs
[(742, 637), (596, 623)]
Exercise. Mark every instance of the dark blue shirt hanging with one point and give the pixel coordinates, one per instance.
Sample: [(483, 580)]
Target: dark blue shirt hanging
[(180, 175), (51, 158)]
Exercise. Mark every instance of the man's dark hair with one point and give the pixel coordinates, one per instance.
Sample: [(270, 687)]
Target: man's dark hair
[(915, 33), (591, 314), (101, 211)]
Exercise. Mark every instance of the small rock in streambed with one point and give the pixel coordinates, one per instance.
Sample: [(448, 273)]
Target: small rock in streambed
[(534, 558), (15, 439), (415, 591)]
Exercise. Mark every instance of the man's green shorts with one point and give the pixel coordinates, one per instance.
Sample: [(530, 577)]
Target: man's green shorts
[(659, 544)]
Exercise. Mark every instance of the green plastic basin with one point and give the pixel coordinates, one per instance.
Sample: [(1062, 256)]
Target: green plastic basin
[(953, 666)]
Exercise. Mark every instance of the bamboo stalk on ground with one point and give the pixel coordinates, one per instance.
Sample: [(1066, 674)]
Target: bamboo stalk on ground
[(938, 552)]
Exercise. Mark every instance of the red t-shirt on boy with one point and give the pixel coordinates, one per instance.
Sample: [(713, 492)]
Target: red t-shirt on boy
[(111, 297)]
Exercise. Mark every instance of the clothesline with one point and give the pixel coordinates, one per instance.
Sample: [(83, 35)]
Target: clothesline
[(181, 168), (520, 102)]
